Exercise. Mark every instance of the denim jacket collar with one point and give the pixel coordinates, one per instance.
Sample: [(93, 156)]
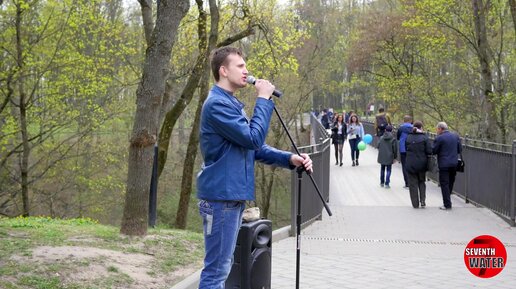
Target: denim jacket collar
[(230, 96)]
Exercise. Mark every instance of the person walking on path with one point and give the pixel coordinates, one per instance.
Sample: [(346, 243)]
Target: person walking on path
[(418, 149), (401, 135), (347, 116), (325, 119), (355, 133), (230, 143), (382, 120), (338, 137), (447, 146), (387, 153)]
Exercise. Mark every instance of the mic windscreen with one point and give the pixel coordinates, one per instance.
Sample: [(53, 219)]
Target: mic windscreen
[(250, 79)]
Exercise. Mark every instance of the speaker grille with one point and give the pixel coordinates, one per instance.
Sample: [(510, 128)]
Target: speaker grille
[(261, 269)]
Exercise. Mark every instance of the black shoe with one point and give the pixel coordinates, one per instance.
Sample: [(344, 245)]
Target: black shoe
[(353, 164), (337, 163), (444, 208), (423, 204), (357, 162), (341, 164)]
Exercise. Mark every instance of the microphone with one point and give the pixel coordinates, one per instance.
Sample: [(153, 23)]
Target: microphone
[(251, 80)]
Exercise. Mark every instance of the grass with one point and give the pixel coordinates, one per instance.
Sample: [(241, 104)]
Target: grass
[(158, 255)]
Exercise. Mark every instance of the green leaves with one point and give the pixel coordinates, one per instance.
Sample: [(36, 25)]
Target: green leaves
[(66, 62)]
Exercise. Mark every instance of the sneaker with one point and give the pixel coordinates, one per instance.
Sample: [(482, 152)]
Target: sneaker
[(381, 185), (423, 204), (357, 162), (444, 208), (336, 163), (387, 186), (353, 164), (341, 164), (405, 187)]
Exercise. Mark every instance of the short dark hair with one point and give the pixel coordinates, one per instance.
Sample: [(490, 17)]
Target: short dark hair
[(417, 125), (219, 58), (381, 109)]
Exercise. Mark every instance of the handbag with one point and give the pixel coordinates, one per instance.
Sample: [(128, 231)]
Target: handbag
[(460, 164)]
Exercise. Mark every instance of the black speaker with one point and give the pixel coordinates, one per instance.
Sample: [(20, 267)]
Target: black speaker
[(252, 258)]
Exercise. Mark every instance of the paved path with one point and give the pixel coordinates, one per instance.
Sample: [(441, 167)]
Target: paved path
[(375, 239)]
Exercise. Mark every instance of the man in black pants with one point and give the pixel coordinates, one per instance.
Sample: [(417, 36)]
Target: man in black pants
[(447, 147)]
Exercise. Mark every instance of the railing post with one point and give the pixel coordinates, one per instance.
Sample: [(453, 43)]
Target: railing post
[(513, 185), (466, 177)]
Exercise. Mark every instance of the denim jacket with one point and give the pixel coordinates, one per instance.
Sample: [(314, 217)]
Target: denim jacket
[(230, 143), (403, 131)]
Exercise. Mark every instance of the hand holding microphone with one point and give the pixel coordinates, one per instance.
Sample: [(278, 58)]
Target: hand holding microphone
[(264, 87)]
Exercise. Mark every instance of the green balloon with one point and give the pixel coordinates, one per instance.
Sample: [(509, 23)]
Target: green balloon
[(361, 146)]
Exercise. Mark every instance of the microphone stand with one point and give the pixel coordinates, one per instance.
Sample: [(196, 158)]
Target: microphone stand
[(300, 171)]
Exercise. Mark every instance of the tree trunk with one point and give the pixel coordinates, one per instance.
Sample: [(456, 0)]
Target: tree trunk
[(479, 12), (24, 161), (173, 115), (296, 131), (189, 162), (191, 152), (267, 185), (148, 101), (148, 24), (512, 3)]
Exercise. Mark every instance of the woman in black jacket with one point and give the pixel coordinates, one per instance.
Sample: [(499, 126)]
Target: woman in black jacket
[(338, 137), (418, 149)]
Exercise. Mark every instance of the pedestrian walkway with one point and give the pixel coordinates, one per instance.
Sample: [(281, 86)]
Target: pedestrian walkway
[(375, 239)]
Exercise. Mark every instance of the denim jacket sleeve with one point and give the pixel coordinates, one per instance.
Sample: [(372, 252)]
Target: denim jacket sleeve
[(272, 156), (231, 124)]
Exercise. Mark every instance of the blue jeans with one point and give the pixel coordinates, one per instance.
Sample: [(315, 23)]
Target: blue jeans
[(385, 179), (221, 223), (355, 153)]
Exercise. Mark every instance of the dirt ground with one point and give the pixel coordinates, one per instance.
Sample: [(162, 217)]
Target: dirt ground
[(100, 263)]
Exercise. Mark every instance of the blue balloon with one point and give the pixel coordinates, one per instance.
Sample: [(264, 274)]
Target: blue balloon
[(368, 138)]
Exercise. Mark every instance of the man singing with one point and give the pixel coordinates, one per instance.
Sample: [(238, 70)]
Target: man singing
[(230, 143)]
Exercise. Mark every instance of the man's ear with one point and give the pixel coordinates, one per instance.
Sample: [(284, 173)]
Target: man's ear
[(222, 71)]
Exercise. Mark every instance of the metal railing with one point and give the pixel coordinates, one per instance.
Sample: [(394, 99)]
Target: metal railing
[(489, 175), (319, 151)]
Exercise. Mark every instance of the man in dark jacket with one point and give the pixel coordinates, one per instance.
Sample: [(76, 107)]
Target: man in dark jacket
[(325, 119), (447, 147), (418, 149)]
